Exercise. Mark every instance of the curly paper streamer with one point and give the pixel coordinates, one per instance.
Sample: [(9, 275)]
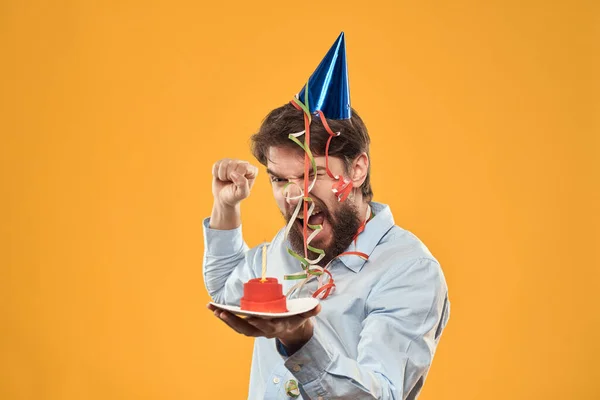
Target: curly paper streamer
[(362, 226), (316, 229), (308, 159), (292, 389), (342, 188), (326, 284), (326, 287)]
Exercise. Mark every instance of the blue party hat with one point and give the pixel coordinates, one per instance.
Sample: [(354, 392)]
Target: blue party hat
[(328, 89)]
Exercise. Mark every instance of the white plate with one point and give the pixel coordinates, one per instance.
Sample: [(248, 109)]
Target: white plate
[(294, 306)]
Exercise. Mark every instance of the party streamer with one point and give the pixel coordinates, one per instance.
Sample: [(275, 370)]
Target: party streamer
[(342, 188)]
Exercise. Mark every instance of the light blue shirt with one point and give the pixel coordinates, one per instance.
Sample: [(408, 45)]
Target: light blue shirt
[(376, 334)]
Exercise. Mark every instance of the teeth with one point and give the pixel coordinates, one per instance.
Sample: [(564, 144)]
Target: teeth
[(300, 216)]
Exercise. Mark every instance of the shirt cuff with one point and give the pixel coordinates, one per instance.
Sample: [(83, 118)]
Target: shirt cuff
[(311, 361), (221, 243)]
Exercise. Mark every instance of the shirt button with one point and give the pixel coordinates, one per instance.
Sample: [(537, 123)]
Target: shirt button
[(276, 380), (297, 368)]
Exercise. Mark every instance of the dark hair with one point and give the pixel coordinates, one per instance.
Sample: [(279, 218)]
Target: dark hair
[(279, 123)]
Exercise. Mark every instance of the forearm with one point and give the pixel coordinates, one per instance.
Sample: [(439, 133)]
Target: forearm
[(224, 217), (225, 266), (323, 371)]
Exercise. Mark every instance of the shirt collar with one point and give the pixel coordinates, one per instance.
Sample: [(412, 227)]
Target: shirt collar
[(366, 242)]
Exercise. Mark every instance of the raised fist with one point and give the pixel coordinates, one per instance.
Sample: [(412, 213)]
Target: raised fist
[(232, 181)]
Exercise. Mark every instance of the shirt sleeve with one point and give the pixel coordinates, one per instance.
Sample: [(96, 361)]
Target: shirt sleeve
[(406, 314), (228, 263)]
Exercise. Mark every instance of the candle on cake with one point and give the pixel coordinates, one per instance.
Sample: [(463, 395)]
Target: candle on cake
[(264, 264), (263, 294)]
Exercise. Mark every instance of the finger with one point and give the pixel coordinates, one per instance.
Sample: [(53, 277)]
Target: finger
[(216, 166), (251, 174), (238, 324), (229, 320), (269, 327), (251, 171), (237, 169), (246, 170), (222, 174), (243, 187), (297, 320), (282, 322), (237, 330), (211, 307), (239, 166)]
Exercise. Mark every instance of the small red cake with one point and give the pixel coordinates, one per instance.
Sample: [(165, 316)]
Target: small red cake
[(263, 296)]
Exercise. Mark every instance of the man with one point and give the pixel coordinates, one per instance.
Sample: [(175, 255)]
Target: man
[(374, 335)]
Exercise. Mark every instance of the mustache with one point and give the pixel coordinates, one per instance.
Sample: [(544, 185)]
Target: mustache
[(344, 222)]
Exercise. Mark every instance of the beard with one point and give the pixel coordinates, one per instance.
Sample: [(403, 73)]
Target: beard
[(344, 223)]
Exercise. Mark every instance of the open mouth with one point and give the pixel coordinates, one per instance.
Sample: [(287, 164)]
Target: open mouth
[(317, 218)]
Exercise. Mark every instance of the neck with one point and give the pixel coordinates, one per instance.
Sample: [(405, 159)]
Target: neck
[(361, 207)]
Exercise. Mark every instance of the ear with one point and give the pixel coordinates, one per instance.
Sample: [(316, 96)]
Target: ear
[(359, 170)]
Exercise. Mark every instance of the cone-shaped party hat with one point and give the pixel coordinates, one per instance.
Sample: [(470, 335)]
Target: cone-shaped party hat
[(328, 89)]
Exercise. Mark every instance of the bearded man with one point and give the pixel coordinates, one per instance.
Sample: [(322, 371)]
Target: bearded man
[(376, 329)]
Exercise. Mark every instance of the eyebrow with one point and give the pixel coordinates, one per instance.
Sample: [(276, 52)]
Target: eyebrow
[(271, 172)]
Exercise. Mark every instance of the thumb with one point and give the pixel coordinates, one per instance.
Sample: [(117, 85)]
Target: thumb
[(241, 183)]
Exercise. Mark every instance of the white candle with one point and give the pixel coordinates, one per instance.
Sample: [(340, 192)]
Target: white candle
[(264, 264)]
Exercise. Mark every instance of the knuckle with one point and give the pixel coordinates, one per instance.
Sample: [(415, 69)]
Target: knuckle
[(241, 165)]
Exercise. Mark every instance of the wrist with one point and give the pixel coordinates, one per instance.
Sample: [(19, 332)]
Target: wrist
[(296, 340), (225, 216)]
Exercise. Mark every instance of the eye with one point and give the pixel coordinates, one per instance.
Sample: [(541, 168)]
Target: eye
[(277, 179)]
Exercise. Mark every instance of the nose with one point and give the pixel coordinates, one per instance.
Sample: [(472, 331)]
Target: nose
[(293, 195)]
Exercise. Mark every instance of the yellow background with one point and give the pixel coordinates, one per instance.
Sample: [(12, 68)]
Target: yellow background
[(484, 122)]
